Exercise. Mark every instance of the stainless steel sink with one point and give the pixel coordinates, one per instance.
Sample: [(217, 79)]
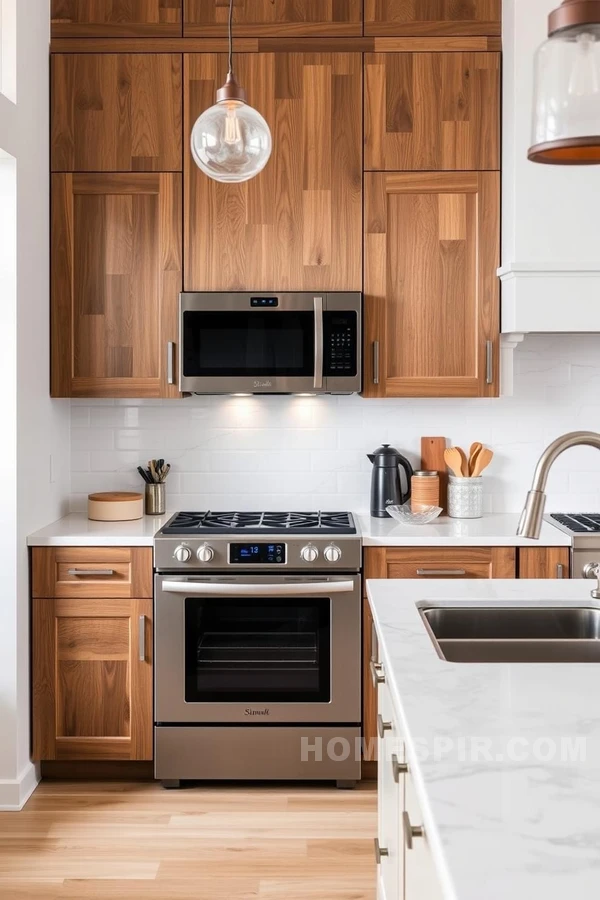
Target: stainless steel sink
[(515, 634)]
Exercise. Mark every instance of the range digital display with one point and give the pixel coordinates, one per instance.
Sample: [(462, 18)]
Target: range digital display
[(253, 553)]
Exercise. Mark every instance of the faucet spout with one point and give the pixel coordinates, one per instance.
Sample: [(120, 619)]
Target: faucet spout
[(530, 524)]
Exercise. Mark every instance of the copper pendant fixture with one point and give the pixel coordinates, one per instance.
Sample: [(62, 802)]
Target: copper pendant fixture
[(566, 110)]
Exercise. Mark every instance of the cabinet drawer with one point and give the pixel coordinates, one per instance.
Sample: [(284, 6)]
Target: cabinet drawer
[(95, 572), (434, 562)]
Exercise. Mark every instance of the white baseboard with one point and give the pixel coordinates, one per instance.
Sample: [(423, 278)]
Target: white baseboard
[(14, 793)]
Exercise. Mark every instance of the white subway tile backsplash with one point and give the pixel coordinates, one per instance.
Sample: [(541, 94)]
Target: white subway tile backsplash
[(292, 452)]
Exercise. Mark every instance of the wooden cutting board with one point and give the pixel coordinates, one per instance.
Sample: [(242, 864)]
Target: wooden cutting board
[(432, 460)]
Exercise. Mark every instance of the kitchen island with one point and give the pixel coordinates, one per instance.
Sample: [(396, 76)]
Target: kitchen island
[(503, 759)]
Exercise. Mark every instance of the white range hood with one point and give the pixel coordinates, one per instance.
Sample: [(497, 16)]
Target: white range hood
[(550, 269)]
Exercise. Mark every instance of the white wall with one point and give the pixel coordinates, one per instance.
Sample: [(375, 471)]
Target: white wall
[(295, 452), (35, 428)]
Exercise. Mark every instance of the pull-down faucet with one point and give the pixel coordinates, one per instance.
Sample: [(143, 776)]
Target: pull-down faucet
[(530, 523)]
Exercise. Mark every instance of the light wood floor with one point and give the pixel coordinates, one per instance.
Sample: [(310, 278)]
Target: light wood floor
[(129, 841)]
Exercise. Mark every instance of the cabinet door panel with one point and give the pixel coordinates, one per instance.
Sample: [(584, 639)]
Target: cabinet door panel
[(431, 289), (116, 112), (437, 111), (116, 275), (544, 562), (92, 679), (274, 17), (116, 18), (433, 17), (421, 881), (296, 226)]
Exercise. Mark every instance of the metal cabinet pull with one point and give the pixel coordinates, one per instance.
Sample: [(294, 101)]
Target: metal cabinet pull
[(142, 638), (560, 570), (170, 362), (377, 673), (398, 768), (411, 831), (375, 362), (428, 573), (318, 376), (489, 362), (380, 851), (105, 573), (382, 726)]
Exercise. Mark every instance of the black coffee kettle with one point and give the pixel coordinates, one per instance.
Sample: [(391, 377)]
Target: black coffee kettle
[(386, 486)]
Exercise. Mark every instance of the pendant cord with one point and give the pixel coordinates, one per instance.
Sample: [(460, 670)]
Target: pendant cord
[(231, 37)]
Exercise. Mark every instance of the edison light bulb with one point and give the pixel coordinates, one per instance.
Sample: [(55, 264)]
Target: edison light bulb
[(231, 141)]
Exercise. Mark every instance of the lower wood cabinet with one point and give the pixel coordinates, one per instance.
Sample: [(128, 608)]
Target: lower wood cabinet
[(544, 562), (92, 679)]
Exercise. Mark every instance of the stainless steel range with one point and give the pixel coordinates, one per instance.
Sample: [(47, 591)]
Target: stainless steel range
[(584, 530), (258, 647)]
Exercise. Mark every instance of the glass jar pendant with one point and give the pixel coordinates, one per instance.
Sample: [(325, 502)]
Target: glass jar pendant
[(566, 105)]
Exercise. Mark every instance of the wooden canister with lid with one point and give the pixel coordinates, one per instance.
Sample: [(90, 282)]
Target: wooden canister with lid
[(425, 490)]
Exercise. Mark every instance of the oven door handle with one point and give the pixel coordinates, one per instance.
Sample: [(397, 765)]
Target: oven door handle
[(302, 589)]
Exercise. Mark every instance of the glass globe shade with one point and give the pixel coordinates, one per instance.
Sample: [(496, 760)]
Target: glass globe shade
[(231, 141), (566, 104)]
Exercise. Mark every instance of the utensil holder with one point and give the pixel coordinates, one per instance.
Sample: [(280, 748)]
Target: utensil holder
[(155, 499), (465, 497)]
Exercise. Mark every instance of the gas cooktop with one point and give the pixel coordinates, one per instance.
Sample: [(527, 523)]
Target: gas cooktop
[(199, 523), (577, 523)]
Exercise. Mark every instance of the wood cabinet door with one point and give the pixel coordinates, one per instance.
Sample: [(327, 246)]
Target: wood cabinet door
[(544, 562), (431, 290), (116, 112), (297, 225), (92, 679), (116, 277), (433, 17), (116, 18), (437, 111), (325, 18)]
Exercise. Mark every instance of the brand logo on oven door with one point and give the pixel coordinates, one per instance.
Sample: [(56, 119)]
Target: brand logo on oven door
[(259, 384), (257, 712)]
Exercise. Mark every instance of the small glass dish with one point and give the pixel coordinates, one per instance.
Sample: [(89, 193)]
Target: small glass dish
[(407, 516)]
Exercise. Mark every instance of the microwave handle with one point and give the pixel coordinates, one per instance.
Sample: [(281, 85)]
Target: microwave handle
[(301, 589), (318, 381)]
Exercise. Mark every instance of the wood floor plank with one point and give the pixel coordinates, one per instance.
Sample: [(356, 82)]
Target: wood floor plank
[(103, 841)]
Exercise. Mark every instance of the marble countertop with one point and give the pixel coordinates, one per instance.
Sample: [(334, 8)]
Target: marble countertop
[(505, 757), (76, 530), (489, 531)]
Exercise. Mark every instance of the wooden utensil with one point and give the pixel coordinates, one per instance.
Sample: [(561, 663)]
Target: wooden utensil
[(453, 459), (432, 460), (464, 462), (483, 460), (474, 451)]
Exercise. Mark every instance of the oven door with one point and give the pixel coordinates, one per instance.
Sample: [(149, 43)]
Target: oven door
[(257, 649)]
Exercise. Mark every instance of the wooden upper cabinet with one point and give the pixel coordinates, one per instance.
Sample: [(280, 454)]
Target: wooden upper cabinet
[(116, 112), (274, 17), (116, 276), (431, 289), (436, 111), (544, 562), (432, 17), (297, 225), (116, 18)]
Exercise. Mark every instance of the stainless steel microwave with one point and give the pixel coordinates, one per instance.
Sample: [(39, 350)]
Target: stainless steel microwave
[(270, 343)]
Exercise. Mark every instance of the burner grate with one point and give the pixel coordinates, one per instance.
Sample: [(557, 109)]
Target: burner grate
[(261, 522), (579, 523)]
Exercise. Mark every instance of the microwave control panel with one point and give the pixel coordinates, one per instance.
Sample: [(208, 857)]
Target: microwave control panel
[(340, 334)]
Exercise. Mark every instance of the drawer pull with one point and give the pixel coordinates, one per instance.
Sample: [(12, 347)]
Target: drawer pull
[(430, 573), (560, 570), (377, 673), (411, 831), (142, 638), (105, 573), (382, 726), (380, 852), (398, 768)]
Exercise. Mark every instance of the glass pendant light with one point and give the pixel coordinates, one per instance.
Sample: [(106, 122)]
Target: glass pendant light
[(566, 104), (231, 142)]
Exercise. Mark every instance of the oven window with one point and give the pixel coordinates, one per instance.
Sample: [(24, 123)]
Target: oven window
[(257, 650), (253, 342)]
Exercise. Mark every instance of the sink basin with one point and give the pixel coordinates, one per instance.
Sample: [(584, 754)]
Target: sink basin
[(515, 634)]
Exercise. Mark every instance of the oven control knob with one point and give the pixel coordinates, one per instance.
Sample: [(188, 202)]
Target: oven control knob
[(205, 553), (182, 553), (309, 553), (332, 553)]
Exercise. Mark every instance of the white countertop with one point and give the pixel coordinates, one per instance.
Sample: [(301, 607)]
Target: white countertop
[(505, 820), (489, 531), (76, 530)]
